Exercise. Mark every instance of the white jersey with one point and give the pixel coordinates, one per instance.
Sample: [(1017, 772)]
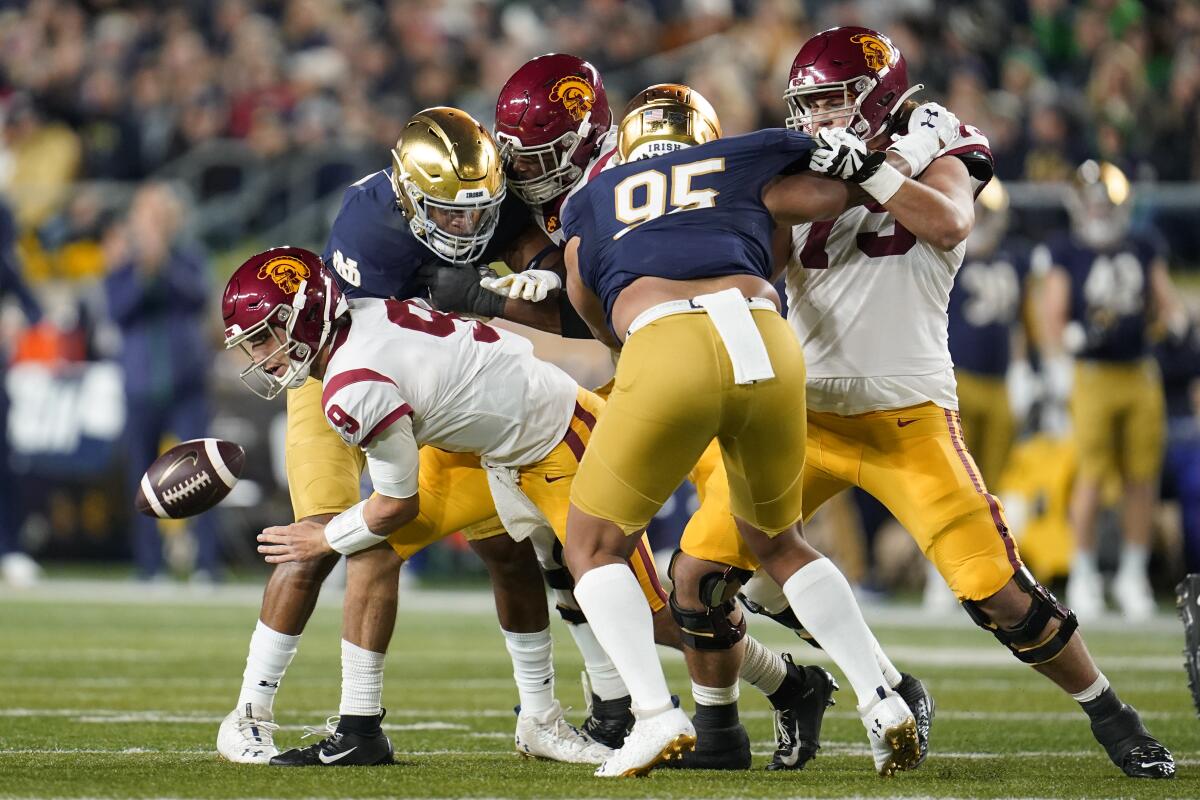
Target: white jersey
[(407, 372), (869, 303), (549, 217)]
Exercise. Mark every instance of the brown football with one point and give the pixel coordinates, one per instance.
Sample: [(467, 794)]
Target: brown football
[(190, 478)]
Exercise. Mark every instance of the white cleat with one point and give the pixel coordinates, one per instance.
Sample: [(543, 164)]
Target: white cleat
[(1085, 594), (247, 736), (19, 570), (548, 735), (892, 730), (665, 736), (1134, 595)]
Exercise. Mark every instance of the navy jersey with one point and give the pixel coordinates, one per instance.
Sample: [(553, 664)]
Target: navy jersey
[(372, 252), (693, 213), (985, 303), (1109, 293)]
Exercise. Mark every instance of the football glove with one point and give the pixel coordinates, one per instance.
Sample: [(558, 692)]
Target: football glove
[(532, 284), (841, 154), (456, 288), (931, 129)]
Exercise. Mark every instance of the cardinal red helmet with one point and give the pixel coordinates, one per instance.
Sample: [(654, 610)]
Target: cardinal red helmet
[(284, 293), (863, 65), (553, 111)]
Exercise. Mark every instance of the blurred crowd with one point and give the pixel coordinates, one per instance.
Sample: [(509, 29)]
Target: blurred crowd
[(116, 90), (101, 99)]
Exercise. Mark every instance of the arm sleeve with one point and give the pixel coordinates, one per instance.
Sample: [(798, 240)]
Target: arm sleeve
[(570, 323), (392, 460), (799, 145)]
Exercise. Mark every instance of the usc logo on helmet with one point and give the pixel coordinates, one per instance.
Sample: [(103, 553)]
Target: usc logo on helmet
[(576, 94), (876, 51), (286, 273)]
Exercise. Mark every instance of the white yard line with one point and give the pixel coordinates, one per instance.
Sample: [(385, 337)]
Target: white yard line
[(441, 601)]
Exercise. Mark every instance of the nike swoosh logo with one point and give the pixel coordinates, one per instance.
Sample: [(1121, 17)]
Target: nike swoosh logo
[(330, 759), (901, 423), (552, 479), (189, 456)]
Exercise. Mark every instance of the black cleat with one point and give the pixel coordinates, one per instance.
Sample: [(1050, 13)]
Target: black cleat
[(1131, 747), (798, 720), (339, 749), (1187, 602), (920, 703), (609, 721), (716, 748)]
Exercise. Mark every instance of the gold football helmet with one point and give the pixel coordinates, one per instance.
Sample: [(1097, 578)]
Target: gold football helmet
[(449, 182), (1100, 204), (663, 118)]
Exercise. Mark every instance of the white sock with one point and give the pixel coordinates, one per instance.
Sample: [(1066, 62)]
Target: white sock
[(605, 681), (1084, 563), (762, 668), (890, 673), (362, 681), (714, 695), (824, 603), (533, 669), (620, 617), (270, 654), (1134, 560), (1092, 692)]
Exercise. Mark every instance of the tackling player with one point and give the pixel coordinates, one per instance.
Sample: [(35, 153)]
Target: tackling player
[(677, 268), (391, 223), (868, 292), (1106, 286), (554, 126)]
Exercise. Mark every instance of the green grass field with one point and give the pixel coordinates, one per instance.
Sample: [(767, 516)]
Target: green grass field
[(109, 690)]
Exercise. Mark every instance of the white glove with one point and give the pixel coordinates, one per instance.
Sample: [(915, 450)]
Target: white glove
[(931, 129), (532, 284), (839, 153)]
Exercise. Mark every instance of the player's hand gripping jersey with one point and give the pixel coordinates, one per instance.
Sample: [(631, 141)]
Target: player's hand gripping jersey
[(684, 232), (868, 300)]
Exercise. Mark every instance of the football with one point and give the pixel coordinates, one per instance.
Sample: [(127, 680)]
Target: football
[(190, 478)]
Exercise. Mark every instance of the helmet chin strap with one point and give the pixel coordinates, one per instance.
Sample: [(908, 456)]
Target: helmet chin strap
[(891, 115)]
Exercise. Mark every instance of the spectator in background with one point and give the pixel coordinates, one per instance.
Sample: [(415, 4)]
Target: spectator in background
[(157, 291), (15, 566)]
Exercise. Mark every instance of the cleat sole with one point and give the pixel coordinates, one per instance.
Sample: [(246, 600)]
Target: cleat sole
[(674, 749), (906, 748)]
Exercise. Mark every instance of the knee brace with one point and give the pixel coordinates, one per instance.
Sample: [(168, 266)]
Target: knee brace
[(1025, 639), (717, 587), (709, 629), (559, 578)]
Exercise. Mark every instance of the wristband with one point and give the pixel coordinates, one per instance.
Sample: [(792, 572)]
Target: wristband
[(347, 533), (917, 151), (886, 181)]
